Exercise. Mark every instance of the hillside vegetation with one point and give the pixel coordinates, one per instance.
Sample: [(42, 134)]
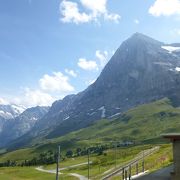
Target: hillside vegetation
[(144, 123), (101, 165)]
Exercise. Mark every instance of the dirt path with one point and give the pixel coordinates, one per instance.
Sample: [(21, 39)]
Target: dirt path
[(53, 171), (40, 168), (79, 176)]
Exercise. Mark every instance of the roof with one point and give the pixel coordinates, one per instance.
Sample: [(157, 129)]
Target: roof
[(172, 136)]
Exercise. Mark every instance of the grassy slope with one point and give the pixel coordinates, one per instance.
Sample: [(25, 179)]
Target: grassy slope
[(28, 173), (101, 164), (143, 123)]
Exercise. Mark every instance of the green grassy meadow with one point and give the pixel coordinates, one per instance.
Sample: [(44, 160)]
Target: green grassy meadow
[(28, 173), (101, 164)]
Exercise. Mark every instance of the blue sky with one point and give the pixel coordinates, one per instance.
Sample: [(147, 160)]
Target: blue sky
[(51, 48)]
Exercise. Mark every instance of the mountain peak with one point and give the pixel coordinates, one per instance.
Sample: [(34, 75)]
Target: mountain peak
[(137, 34), (139, 37)]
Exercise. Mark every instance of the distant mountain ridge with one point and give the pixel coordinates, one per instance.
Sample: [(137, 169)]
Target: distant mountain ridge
[(20, 124), (10, 111), (141, 71)]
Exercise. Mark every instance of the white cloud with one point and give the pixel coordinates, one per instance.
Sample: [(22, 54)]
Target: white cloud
[(102, 56), (101, 59), (136, 21), (38, 97), (165, 8), (34, 98), (51, 88), (99, 8), (87, 65), (56, 82), (112, 17), (3, 101), (70, 11), (71, 72), (96, 7)]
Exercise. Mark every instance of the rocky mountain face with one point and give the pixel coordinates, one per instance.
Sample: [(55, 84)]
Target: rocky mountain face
[(9, 112), (142, 70), (2, 121), (21, 124)]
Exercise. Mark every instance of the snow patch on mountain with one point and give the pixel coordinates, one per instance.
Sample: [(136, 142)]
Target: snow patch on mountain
[(91, 114), (177, 69), (171, 48), (115, 115), (66, 118), (163, 63), (11, 110), (34, 118), (18, 109), (6, 115), (103, 114)]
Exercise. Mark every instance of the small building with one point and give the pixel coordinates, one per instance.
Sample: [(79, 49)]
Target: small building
[(175, 139)]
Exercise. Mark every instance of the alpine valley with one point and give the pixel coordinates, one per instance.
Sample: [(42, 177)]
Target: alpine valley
[(136, 97)]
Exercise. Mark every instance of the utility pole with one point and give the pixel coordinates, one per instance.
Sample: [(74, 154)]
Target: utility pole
[(57, 167), (88, 164), (143, 159)]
